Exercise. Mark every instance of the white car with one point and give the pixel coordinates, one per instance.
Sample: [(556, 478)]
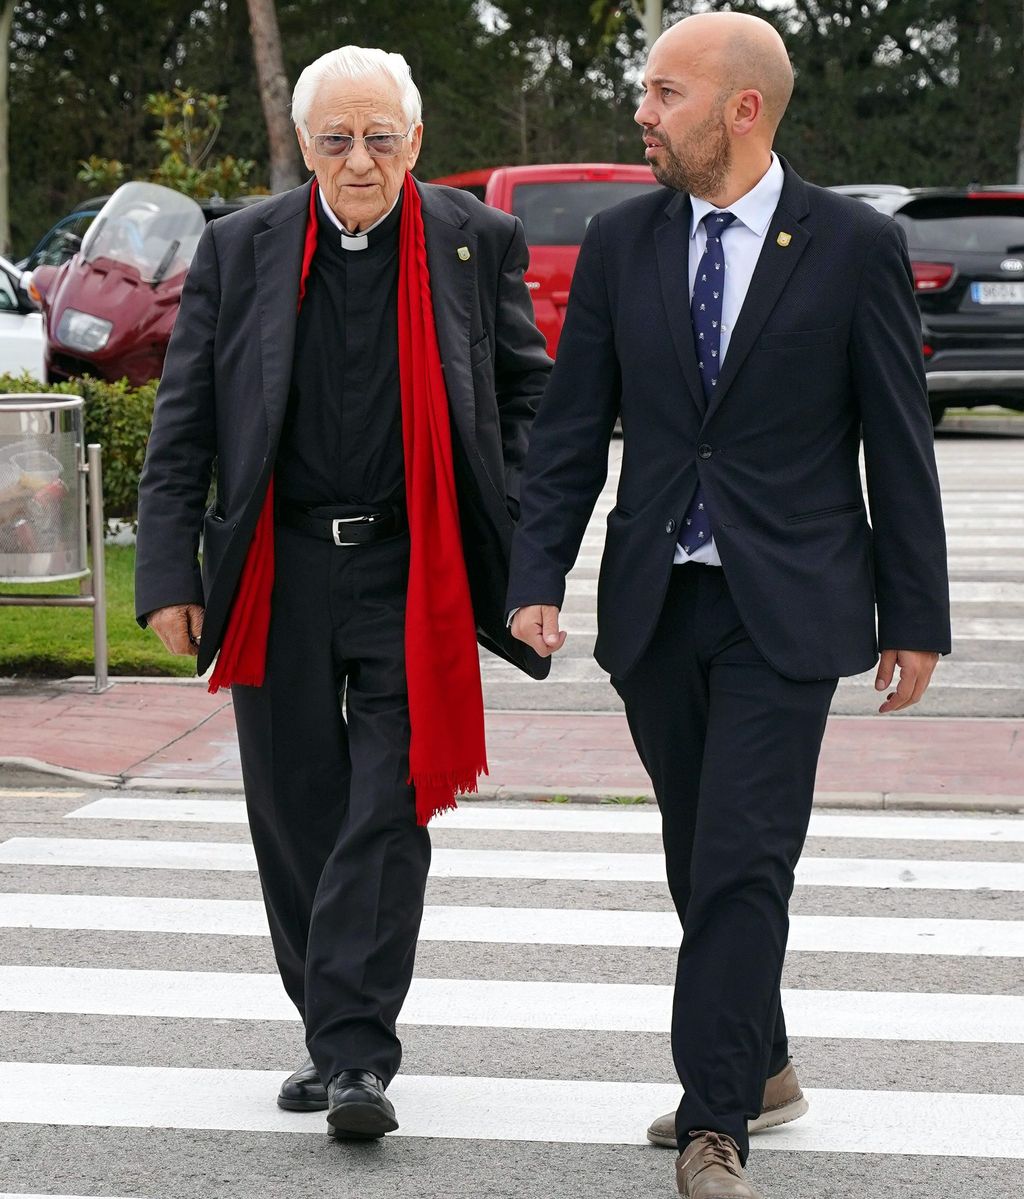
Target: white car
[(21, 326)]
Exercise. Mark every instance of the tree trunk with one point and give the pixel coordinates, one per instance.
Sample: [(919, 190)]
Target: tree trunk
[(651, 18), (274, 94), (6, 17)]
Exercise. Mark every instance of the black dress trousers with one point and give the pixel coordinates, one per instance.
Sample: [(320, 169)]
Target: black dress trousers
[(732, 749), (325, 761)]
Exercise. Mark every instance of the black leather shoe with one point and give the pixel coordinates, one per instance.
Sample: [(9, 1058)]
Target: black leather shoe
[(358, 1109), (303, 1091)]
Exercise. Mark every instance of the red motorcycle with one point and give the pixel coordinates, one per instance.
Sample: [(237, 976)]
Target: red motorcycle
[(109, 310)]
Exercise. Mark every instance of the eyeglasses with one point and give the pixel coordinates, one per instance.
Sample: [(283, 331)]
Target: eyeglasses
[(341, 145)]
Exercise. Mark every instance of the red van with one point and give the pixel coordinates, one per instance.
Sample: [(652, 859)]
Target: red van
[(555, 204)]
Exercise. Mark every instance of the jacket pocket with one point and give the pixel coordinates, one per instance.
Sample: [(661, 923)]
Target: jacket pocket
[(819, 513), (797, 339), (480, 351)]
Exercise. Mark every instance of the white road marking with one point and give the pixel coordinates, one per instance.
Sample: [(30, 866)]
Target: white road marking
[(500, 1109), (574, 819), (517, 926), (900, 873), (475, 1003)]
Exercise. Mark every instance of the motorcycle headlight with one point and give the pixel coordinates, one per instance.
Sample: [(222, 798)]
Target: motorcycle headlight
[(81, 331)]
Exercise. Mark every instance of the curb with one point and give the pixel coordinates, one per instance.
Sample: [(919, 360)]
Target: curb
[(29, 772)]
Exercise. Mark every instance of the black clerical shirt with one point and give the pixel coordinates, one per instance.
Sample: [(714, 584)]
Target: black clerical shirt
[(342, 437)]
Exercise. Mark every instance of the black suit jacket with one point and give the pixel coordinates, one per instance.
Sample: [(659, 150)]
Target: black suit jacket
[(825, 355), (224, 392)]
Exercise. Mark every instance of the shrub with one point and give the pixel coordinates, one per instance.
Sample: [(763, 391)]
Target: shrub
[(118, 417)]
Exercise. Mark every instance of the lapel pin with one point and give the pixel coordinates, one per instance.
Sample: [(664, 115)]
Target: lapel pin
[(784, 239), (463, 253)]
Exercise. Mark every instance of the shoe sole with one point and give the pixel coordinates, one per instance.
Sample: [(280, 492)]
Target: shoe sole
[(785, 1114), (360, 1122), (302, 1105)]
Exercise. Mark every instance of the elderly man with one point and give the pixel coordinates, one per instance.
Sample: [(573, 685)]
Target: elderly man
[(357, 358), (752, 332)]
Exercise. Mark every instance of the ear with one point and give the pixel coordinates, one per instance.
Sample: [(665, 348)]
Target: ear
[(748, 110), (415, 145), (305, 148)]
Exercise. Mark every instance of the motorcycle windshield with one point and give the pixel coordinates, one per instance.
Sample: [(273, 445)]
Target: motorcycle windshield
[(149, 227)]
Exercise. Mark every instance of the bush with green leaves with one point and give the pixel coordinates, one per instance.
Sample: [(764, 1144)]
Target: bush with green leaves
[(118, 417)]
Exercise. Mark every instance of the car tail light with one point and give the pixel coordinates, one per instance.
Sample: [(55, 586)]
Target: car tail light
[(931, 276), (927, 350)]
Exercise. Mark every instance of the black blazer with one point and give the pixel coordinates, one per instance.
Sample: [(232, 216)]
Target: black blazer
[(224, 391), (826, 353)]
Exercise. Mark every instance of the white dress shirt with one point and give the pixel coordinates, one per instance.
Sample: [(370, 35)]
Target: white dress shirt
[(741, 245)]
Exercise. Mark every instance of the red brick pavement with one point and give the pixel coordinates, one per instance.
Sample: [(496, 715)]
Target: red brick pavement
[(178, 732)]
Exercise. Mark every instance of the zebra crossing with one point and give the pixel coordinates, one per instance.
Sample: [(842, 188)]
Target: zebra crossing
[(983, 502), (145, 1032)]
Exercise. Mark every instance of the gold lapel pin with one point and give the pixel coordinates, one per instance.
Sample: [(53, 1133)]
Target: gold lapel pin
[(463, 253), (784, 239)]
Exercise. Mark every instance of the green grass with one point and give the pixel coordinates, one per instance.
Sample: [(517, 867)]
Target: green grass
[(57, 642), (626, 799)]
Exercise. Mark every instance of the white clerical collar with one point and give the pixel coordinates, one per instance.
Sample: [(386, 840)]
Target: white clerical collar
[(755, 209), (353, 241)]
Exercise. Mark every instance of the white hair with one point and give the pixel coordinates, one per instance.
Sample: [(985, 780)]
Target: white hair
[(356, 62)]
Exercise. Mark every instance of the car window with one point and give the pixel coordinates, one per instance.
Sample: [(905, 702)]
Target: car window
[(61, 242), (948, 225), (8, 296), (557, 214)]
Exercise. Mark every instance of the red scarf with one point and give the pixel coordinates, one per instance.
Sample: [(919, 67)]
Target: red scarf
[(446, 708)]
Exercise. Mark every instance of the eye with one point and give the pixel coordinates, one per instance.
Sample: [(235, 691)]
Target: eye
[(668, 91)]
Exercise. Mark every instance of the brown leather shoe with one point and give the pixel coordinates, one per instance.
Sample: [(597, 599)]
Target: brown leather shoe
[(783, 1101), (710, 1169)]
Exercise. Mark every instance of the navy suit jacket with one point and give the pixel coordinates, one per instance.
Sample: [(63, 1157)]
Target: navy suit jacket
[(825, 357)]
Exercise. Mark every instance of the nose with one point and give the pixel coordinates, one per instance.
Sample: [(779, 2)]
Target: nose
[(359, 160), (643, 115)]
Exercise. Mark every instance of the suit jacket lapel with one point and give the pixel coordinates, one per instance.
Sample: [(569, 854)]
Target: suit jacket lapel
[(775, 265), (672, 239), (452, 289), (278, 256)]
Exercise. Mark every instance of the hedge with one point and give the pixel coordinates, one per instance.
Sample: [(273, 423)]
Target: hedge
[(118, 417)]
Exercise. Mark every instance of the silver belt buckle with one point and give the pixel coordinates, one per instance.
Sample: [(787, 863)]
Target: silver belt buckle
[(348, 520)]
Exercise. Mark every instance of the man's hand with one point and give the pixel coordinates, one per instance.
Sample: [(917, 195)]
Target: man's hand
[(916, 668), (180, 627), (537, 626)]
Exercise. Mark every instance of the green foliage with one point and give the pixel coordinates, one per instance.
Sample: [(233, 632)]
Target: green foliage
[(190, 123), (914, 92), (118, 417), (921, 92), (101, 175), (57, 642)]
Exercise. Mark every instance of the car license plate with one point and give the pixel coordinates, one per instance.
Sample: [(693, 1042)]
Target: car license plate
[(997, 293)]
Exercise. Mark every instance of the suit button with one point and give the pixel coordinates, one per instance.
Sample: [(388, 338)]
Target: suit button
[(704, 450), (670, 526)]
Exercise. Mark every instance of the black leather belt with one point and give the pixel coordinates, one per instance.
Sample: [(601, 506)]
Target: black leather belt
[(344, 525)]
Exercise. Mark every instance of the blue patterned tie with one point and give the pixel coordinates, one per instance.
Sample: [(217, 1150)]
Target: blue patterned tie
[(706, 317)]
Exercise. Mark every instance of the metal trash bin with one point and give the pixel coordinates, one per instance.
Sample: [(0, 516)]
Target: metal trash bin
[(42, 489), (45, 477)]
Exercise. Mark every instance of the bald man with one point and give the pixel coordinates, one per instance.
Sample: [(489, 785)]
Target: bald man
[(751, 332)]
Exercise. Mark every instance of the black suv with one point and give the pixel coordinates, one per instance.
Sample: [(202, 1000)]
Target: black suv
[(967, 249)]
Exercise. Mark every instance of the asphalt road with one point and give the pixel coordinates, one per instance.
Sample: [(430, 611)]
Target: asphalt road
[(143, 1032), (983, 498)]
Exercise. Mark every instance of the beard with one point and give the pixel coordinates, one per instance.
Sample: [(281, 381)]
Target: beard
[(700, 165)]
